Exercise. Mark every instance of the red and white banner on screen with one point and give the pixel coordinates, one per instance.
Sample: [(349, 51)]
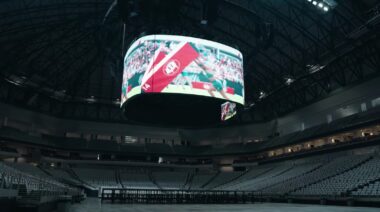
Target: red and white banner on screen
[(165, 68)]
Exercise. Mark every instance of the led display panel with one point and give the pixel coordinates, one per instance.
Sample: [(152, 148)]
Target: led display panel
[(182, 65)]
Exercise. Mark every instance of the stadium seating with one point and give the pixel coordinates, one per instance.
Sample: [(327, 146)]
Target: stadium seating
[(30, 169), (328, 175), (62, 174), (347, 181), (170, 180), (222, 178), (316, 182), (260, 181), (98, 177), (334, 174), (31, 182), (250, 174), (137, 179), (372, 189), (199, 179)]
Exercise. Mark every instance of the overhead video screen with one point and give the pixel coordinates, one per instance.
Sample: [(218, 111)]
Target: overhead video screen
[(183, 65)]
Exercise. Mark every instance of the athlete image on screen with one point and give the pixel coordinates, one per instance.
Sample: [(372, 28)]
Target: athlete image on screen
[(213, 73), (188, 76)]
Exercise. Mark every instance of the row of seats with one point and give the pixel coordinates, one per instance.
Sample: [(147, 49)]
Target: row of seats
[(327, 175), (222, 178), (62, 174), (170, 180), (28, 168), (259, 181), (325, 181), (28, 179), (332, 174), (137, 180), (98, 178), (149, 179), (200, 179), (372, 189)]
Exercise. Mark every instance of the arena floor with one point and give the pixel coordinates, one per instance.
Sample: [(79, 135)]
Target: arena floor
[(93, 205)]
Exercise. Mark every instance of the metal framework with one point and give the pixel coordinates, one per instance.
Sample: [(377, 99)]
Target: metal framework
[(155, 196), (64, 57)]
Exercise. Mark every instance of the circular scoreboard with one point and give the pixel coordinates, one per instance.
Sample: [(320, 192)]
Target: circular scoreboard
[(167, 78)]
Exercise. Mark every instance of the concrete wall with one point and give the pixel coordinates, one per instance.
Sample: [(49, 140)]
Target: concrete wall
[(11, 115), (341, 103)]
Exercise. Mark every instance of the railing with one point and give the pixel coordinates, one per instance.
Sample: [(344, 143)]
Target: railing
[(151, 196)]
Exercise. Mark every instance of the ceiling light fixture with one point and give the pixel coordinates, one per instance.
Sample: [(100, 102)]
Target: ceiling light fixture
[(324, 5)]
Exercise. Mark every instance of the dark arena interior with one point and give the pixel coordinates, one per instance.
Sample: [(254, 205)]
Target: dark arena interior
[(189, 105)]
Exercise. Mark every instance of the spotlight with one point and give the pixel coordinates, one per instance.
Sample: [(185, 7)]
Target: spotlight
[(325, 5), (262, 95), (204, 22), (289, 81)]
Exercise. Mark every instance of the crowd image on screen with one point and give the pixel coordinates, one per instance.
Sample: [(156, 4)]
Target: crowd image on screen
[(221, 66), (136, 63)]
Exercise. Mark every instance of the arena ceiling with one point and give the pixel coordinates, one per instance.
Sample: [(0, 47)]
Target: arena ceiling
[(64, 57)]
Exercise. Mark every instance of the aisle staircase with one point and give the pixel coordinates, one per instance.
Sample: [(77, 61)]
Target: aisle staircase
[(211, 179), (151, 178)]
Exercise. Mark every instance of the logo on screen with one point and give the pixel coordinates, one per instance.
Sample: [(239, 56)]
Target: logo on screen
[(172, 67)]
